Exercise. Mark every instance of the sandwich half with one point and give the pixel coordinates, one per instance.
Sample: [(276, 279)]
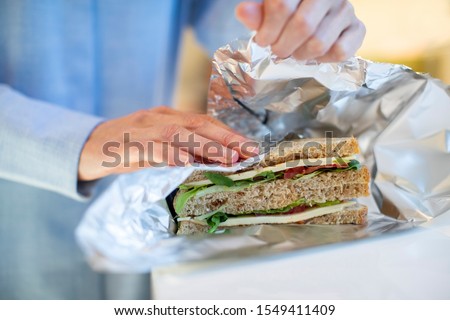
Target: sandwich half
[(306, 181)]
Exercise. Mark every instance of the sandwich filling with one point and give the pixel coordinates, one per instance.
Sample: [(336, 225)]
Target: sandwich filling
[(216, 219), (298, 211)]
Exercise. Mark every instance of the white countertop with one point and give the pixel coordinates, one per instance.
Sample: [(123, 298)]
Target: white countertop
[(413, 264)]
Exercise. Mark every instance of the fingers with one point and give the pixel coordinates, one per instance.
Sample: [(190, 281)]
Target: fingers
[(164, 110), (158, 137), (249, 14), (140, 154), (203, 125), (275, 15), (179, 137), (346, 45), (166, 154), (301, 26), (327, 30), (216, 131), (327, 33), (136, 156), (245, 147)]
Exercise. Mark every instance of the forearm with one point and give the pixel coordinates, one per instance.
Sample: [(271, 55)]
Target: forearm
[(40, 144)]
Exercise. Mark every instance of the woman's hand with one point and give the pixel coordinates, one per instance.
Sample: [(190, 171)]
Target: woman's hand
[(159, 137), (325, 30)]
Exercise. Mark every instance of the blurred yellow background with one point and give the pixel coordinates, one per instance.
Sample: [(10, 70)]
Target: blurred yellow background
[(415, 33)]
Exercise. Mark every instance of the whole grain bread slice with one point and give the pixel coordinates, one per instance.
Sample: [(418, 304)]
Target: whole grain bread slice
[(327, 186), (356, 214), (313, 148)]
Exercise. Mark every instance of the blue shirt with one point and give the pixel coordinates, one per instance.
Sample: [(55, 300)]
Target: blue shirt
[(64, 66)]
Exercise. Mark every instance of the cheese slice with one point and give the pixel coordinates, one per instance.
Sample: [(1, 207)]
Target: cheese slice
[(277, 168), (246, 220)]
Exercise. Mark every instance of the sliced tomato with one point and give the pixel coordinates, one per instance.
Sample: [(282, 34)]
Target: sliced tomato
[(298, 209), (291, 173)]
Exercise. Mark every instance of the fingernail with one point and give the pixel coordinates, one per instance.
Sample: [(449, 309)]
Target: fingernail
[(252, 8), (185, 159), (254, 150), (234, 156), (250, 15)]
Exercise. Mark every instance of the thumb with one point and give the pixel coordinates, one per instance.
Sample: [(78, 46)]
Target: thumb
[(249, 14)]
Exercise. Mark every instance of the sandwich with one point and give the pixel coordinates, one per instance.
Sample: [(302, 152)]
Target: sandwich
[(305, 181)]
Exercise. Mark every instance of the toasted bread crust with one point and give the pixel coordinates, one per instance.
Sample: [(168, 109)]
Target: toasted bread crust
[(189, 227), (353, 215), (327, 186), (356, 214), (298, 149), (311, 149)]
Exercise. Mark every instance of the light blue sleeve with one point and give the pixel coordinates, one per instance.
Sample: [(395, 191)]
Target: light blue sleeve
[(215, 23), (40, 144)]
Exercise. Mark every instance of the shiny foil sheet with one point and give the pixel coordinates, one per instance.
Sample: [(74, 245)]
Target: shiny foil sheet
[(401, 119)]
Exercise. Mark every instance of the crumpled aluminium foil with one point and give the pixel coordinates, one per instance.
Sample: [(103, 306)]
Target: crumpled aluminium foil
[(402, 122)]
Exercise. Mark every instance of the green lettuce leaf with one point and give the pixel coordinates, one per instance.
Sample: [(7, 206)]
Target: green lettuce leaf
[(352, 165), (296, 204), (328, 203), (184, 187), (281, 210), (215, 220), (307, 176), (182, 198), (219, 179), (214, 189), (223, 183), (264, 176)]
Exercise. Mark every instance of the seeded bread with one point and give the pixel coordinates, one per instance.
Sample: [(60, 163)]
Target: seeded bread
[(327, 186), (311, 149), (356, 214), (299, 149)]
